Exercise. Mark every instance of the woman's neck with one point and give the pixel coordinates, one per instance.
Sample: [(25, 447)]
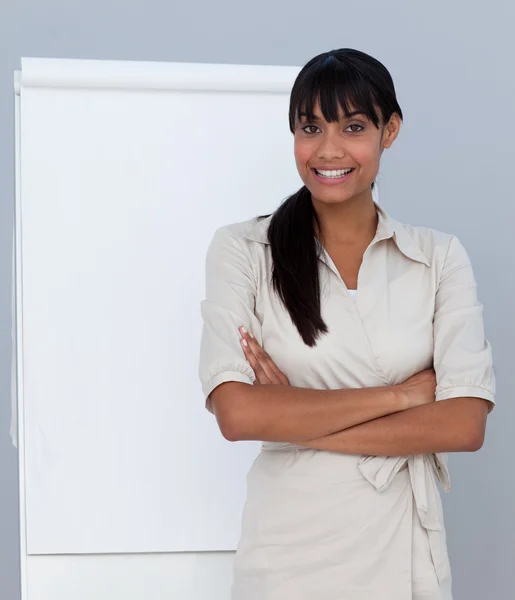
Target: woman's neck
[(351, 222)]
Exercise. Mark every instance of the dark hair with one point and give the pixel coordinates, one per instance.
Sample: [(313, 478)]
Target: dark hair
[(353, 80)]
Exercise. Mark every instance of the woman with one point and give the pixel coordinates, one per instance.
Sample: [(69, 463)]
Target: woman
[(362, 362)]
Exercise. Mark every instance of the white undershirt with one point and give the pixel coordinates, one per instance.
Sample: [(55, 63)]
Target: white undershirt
[(353, 294)]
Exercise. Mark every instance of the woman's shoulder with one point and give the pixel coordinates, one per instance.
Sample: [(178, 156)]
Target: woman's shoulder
[(236, 242), (435, 244), (427, 236), (249, 230)]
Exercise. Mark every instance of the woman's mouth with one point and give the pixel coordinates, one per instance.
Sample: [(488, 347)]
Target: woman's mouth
[(332, 177)]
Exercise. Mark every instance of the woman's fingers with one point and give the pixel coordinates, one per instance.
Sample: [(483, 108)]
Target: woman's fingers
[(262, 374), (256, 359), (265, 359), (264, 367)]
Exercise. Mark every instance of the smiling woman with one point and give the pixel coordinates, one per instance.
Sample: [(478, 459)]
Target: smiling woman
[(357, 398)]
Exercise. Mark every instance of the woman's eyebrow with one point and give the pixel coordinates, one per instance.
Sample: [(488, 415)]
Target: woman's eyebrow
[(346, 115)]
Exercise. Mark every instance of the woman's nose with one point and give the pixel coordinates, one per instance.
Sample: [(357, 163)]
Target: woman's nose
[(330, 148)]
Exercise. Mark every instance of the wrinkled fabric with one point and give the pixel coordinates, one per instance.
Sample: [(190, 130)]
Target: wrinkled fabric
[(416, 307)]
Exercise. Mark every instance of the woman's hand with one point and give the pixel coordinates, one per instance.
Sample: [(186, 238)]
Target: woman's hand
[(264, 367), (419, 389)]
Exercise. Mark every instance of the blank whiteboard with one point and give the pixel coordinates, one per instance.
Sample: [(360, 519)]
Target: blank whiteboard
[(125, 170)]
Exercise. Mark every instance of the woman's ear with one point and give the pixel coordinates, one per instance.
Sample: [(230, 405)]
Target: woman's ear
[(391, 130)]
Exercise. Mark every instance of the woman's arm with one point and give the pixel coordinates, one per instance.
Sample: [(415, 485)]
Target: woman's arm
[(454, 425), (282, 413), (274, 411)]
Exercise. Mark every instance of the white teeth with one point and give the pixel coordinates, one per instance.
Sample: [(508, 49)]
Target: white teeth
[(339, 173)]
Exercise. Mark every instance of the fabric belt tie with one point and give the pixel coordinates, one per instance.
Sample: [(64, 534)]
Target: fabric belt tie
[(380, 472)]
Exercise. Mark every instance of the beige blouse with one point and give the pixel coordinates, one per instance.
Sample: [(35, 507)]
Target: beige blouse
[(416, 306)]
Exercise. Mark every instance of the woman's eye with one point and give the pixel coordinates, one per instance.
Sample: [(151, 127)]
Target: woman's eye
[(308, 127), (356, 125)]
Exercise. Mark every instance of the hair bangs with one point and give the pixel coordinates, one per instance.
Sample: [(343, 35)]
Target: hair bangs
[(337, 87)]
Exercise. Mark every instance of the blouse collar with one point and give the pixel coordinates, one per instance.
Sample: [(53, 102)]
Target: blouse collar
[(386, 228)]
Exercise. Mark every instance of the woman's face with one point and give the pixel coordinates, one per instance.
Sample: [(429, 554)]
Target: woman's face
[(353, 143)]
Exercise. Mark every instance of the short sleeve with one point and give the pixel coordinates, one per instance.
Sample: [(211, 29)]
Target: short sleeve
[(462, 354), (229, 302)]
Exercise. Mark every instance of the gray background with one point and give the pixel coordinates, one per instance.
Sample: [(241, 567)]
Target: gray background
[(449, 169)]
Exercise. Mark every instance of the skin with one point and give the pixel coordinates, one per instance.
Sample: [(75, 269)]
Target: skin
[(454, 425), (348, 224), (346, 211)]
